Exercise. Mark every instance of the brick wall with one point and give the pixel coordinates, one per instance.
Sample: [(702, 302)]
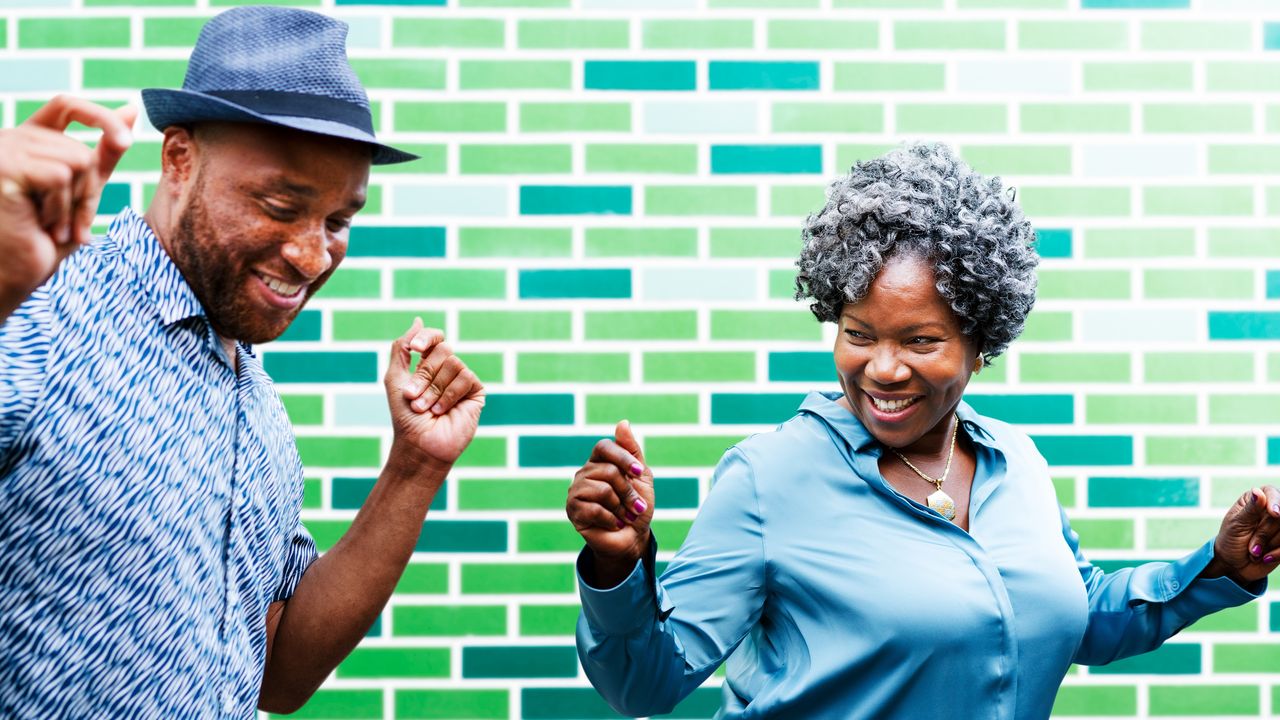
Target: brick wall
[(605, 219)]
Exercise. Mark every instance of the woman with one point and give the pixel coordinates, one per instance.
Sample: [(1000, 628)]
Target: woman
[(887, 552)]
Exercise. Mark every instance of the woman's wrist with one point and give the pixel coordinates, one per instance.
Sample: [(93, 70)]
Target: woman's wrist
[(608, 570)]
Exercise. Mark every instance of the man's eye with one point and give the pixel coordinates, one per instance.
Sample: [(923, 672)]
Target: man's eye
[(280, 212), (337, 226)]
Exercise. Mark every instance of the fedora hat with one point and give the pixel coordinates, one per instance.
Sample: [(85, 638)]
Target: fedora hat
[(273, 65)]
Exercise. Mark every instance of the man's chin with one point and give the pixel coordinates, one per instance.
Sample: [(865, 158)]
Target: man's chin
[(255, 331)]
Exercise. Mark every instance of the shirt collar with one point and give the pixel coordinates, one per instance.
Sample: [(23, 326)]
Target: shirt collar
[(160, 279), (847, 425)]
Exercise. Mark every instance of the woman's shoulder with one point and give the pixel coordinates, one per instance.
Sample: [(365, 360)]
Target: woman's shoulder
[(801, 437)]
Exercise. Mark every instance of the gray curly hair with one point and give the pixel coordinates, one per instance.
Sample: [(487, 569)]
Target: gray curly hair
[(922, 199)]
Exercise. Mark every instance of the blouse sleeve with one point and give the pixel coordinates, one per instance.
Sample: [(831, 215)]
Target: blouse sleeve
[(1134, 610), (646, 644)]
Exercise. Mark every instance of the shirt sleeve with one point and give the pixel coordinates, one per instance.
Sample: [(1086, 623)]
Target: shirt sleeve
[(299, 554), (25, 339), (1134, 610), (646, 644)]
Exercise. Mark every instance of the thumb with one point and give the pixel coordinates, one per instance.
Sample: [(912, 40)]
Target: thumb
[(626, 439), (402, 356), (1253, 508)]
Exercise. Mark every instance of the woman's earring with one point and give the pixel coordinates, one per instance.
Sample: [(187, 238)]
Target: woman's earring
[(977, 365)]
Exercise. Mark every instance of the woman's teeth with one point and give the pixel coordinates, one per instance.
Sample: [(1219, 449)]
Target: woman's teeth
[(891, 406), (281, 288)]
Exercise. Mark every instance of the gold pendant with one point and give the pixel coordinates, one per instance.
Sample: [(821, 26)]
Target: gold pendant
[(942, 504)]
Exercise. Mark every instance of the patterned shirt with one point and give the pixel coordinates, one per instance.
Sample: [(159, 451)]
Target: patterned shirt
[(149, 494)]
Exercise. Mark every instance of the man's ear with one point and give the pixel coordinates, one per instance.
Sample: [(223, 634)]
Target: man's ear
[(178, 154)]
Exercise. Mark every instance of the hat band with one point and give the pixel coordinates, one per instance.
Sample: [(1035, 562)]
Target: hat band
[(292, 104)]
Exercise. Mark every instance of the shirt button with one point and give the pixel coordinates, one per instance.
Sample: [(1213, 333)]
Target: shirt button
[(228, 702), (1174, 585)]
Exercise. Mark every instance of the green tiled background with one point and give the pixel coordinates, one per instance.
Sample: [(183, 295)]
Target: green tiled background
[(604, 222)]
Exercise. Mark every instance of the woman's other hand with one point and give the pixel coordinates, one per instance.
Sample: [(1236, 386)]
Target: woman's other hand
[(610, 504), (1247, 548)]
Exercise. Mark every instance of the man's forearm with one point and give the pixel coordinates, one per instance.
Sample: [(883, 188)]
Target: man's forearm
[(342, 593)]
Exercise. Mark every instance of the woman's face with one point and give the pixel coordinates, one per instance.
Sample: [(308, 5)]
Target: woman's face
[(902, 360)]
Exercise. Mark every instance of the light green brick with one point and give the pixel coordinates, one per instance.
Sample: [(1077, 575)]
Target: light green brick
[(1198, 284), (948, 35), (1137, 76), (1204, 700), (1244, 242), (823, 35), (1075, 202), (504, 494), (1011, 4), (688, 34), (796, 200), (631, 325), (572, 34), (889, 4), (756, 4), (1272, 199), (699, 366), (1047, 325), (1139, 242), (1272, 119), (848, 154), (889, 76), (1104, 534), (640, 242), (1197, 118), (450, 116), (683, 200), (755, 242), (807, 117), (486, 452), (432, 158), (1224, 491), (171, 31), (1195, 36), (1231, 76), (1019, 159), (354, 325), (1200, 450), (524, 242), (533, 367), (675, 159), (412, 74), (646, 409), (1093, 700), (575, 117), (486, 366), (1202, 201), (540, 4), (69, 33), (1273, 367), (504, 579), (515, 159), (1251, 409), (447, 33), (1151, 409), (1084, 284), (782, 284), (515, 74), (1242, 618), (508, 325), (1075, 118), (113, 73), (1244, 159), (424, 579), (687, 450), (1074, 367), (764, 325), (952, 118), (1072, 35), (449, 283), (1198, 367)]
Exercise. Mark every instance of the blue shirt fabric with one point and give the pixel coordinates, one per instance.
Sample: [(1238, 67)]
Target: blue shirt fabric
[(833, 596), (150, 497)]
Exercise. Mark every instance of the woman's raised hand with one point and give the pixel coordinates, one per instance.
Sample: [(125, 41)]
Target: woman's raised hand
[(610, 504), (1247, 548)]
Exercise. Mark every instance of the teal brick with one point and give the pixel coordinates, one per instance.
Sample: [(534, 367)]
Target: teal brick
[(778, 75), (528, 409), (1111, 491), (321, 367), (1169, 659), (1026, 409), (520, 662), (753, 408), (1054, 243), (1244, 325), (555, 451), (552, 703), (396, 241), (463, 536), (640, 75), (575, 200), (801, 366), (576, 284), (773, 159), (1091, 449)]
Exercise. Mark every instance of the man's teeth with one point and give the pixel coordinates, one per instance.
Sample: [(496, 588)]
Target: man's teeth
[(891, 405), (281, 288)]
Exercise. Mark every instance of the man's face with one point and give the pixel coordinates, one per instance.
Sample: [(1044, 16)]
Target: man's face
[(262, 222)]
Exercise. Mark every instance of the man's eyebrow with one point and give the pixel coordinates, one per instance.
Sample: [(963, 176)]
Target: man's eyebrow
[(292, 188)]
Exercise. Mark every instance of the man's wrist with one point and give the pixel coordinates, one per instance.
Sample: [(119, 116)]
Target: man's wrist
[(407, 461)]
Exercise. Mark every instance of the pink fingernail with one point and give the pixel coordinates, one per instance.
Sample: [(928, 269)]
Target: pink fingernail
[(621, 524), (1256, 550), (437, 409), (630, 515), (636, 469), (1275, 509), (1268, 560), (639, 506)]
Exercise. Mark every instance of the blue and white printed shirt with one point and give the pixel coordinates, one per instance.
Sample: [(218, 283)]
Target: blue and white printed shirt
[(149, 497)]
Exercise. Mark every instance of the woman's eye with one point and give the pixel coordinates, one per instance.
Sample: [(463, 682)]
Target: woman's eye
[(855, 335), (923, 340)]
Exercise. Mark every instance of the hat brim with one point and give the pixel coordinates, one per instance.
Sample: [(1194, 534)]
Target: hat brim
[(166, 107)]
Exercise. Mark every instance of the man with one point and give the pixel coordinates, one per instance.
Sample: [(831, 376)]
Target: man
[(152, 563)]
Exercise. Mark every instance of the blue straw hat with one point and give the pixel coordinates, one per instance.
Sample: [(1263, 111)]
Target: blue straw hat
[(274, 65)]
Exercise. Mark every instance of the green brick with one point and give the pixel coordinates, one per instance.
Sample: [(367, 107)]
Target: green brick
[(848, 154), (642, 409), (789, 4), (640, 325), (1143, 492), (327, 533), (1242, 76), (1244, 658), (952, 118), (572, 34), (686, 34), (515, 74), (70, 33), (1084, 284), (1180, 533), (1137, 76), (1019, 159), (1198, 35), (548, 619), (540, 536), (889, 4), (484, 452), (1045, 325), (889, 76), (796, 200), (1198, 284), (1197, 117), (1075, 202), (575, 117), (515, 159), (1208, 700), (447, 33), (520, 662), (1104, 534), (538, 242), (432, 158), (699, 366), (642, 158), (1225, 491), (948, 35), (352, 283), (395, 662), (828, 117), (1012, 4), (327, 704), (640, 242), (486, 366), (782, 285), (320, 451), (1072, 35), (501, 494), (523, 578), (1200, 450), (1198, 367), (755, 242), (1253, 408), (682, 200), (508, 325), (1093, 700), (382, 326), (1244, 242), (1198, 201), (401, 73), (1273, 367), (1244, 159), (764, 325), (687, 450), (1139, 242), (573, 367), (450, 283), (515, 3), (1243, 619), (423, 579), (312, 491), (1065, 489), (1153, 409), (823, 35), (171, 31), (448, 620), (1074, 367), (452, 704), (304, 409), (451, 116), (133, 73), (1075, 117)]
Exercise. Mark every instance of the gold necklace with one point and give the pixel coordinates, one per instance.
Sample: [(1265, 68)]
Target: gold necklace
[(939, 501)]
